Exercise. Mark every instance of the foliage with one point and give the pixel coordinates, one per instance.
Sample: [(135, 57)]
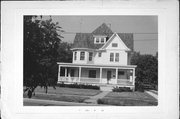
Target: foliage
[(83, 86), (146, 70), (64, 52), (41, 52), (121, 89)]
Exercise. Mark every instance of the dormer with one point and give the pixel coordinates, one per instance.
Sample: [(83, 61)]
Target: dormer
[(100, 39)]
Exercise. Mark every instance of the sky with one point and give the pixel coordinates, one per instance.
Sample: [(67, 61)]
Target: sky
[(144, 28)]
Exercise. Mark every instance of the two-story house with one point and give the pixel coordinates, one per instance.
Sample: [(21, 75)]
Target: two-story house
[(100, 58)]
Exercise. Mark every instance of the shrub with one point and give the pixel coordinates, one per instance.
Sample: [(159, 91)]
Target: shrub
[(100, 101), (139, 87), (122, 89), (83, 86)]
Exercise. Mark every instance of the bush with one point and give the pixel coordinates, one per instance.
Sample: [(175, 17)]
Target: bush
[(139, 87), (121, 89), (82, 86), (100, 101)]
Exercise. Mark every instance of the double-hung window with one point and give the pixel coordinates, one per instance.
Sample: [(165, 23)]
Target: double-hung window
[(111, 57), (90, 56), (92, 73), (117, 57), (99, 54), (75, 55), (82, 55)]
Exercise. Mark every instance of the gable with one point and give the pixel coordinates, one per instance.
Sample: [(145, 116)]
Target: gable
[(115, 42)]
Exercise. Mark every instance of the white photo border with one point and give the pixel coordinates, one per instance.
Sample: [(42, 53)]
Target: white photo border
[(12, 58)]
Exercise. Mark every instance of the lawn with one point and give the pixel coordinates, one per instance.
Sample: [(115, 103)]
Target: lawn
[(69, 98), (68, 91), (64, 94), (128, 99)]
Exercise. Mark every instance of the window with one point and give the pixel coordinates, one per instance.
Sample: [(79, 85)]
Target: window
[(90, 56), (75, 55), (114, 45), (117, 57), (72, 73), (82, 55), (97, 40), (92, 73), (102, 40), (111, 57), (120, 72), (99, 54)]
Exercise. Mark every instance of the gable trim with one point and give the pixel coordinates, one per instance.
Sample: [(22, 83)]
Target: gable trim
[(111, 38)]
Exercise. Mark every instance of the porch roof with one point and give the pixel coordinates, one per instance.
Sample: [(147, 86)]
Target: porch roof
[(96, 65)]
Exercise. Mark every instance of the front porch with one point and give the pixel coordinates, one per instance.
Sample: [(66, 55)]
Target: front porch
[(102, 75)]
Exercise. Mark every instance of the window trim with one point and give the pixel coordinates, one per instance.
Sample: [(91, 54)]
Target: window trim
[(90, 57), (116, 57), (114, 45), (75, 55), (111, 57), (99, 40), (82, 55)]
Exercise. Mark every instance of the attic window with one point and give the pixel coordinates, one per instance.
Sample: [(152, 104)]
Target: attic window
[(114, 45)]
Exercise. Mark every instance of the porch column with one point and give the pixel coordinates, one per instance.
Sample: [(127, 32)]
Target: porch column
[(65, 73), (79, 74), (133, 76), (59, 73), (116, 74), (100, 75), (69, 76), (134, 79)]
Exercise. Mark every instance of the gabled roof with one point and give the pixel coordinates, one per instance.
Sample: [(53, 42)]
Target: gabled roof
[(86, 40)]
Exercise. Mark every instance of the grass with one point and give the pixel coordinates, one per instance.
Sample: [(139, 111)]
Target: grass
[(131, 95), (68, 91), (72, 98), (64, 94), (128, 99)]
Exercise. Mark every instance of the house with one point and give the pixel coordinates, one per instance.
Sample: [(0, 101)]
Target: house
[(100, 58)]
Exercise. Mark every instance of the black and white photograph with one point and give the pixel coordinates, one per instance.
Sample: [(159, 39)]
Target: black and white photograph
[(90, 60)]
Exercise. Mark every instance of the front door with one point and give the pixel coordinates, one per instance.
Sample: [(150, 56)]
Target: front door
[(108, 76)]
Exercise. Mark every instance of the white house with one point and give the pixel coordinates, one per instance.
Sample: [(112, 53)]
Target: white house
[(100, 58)]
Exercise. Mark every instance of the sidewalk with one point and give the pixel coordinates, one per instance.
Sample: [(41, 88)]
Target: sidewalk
[(152, 93), (93, 99)]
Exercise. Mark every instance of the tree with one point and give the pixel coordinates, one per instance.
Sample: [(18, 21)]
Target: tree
[(64, 52), (41, 43), (147, 68)]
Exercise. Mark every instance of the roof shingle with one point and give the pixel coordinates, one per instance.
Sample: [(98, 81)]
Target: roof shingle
[(86, 40)]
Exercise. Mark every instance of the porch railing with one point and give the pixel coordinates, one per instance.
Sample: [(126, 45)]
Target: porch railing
[(91, 80), (82, 79)]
